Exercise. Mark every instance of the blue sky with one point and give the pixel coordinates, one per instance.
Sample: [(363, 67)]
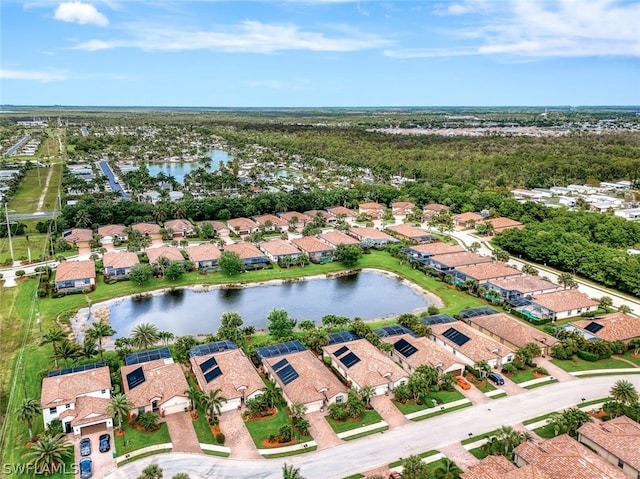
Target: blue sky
[(310, 53)]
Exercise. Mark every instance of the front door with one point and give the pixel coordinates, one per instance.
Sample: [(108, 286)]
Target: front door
[(154, 405)]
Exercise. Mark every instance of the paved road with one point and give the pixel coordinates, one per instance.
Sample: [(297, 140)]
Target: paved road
[(380, 449), (115, 185), (34, 216)]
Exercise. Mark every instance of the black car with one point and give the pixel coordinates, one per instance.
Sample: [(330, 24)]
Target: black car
[(85, 468), (496, 378), (105, 443), (85, 447)]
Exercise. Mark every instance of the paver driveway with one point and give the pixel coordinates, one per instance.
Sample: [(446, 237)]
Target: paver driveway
[(183, 435), (102, 463), (321, 431), (390, 414), (237, 437)]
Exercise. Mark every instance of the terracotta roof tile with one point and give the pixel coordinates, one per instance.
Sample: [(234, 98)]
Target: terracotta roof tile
[(465, 217), (203, 252), (77, 235), (65, 389), (512, 330), (465, 258), (336, 238), (112, 230), (479, 346), (374, 234), (72, 270), (427, 353), (524, 284), (310, 244), (616, 326), (341, 210), (483, 272), (275, 221), (313, 213), (565, 300), (146, 228), (241, 224), (179, 225), (164, 379), (218, 226), (90, 409), (408, 231), (244, 250), (436, 207), (405, 206), (120, 259), (501, 224), (289, 215), (619, 437), (491, 467), (278, 247), (169, 252), (438, 248)]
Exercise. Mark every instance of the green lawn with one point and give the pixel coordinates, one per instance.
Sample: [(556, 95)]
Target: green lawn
[(442, 411), (261, 429), (26, 199), (422, 455), (630, 357), (442, 397), (369, 417), (478, 452), (134, 439), (36, 245), (545, 431), (577, 364), (521, 376), (203, 431)]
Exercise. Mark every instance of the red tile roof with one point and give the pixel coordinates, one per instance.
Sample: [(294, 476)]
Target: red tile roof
[(242, 224), (479, 346), (482, 272), (455, 260), (374, 234), (275, 221), (244, 250), (66, 388), (112, 230), (179, 225), (616, 326), (565, 300), (341, 210), (524, 284), (501, 224), (512, 330), (278, 247), (146, 228), (408, 231), (77, 235), (438, 248), (428, 353), (169, 252), (466, 217), (619, 437), (289, 215), (163, 379), (120, 259), (203, 252), (72, 270), (310, 244), (217, 225), (336, 238)]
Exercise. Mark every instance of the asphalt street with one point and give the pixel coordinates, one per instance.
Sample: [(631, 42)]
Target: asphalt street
[(380, 449)]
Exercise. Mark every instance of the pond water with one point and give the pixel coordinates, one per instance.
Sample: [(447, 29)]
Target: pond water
[(368, 294), (179, 169)]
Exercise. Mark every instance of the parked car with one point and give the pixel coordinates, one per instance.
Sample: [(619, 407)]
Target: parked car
[(85, 468), (85, 447), (395, 475), (496, 378), (463, 383), (105, 443)]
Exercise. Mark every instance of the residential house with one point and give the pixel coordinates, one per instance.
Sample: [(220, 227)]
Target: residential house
[(467, 220), (328, 218), (73, 276), (501, 224), (251, 256), (154, 385), (222, 365), (511, 332), (168, 252), (219, 227), (316, 250), (379, 239), (242, 226), (295, 219), (271, 223), (373, 209), (78, 397), (421, 253), (469, 345), (617, 441), (564, 457), (483, 273), (340, 212), (433, 209), (628, 213), (150, 230), (447, 262), (521, 286), (562, 304), (301, 376), (180, 228), (117, 264), (400, 209), (204, 255), (336, 238), (362, 364), (611, 327), (411, 351), (111, 233), (411, 233), (277, 250), (78, 237), (499, 467)]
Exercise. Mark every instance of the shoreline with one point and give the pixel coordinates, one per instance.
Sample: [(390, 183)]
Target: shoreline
[(82, 319)]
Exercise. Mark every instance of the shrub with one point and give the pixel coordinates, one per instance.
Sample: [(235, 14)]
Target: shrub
[(338, 412), (42, 293), (20, 273), (220, 438), (587, 356), (509, 369), (541, 371), (59, 294)]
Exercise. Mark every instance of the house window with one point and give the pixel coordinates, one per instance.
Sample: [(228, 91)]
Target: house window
[(620, 463), (402, 382), (338, 399), (67, 406), (53, 410), (103, 391), (140, 410)]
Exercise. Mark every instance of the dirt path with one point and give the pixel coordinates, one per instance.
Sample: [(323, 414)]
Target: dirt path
[(45, 189)]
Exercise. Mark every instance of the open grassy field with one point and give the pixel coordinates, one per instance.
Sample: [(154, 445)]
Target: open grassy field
[(39, 184), (34, 244)]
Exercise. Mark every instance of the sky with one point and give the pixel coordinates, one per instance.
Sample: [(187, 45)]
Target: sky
[(319, 53)]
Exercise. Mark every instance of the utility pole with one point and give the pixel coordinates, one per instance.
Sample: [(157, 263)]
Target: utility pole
[(6, 213)]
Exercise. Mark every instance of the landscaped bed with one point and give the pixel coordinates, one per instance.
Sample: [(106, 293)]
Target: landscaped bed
[(262, 429)]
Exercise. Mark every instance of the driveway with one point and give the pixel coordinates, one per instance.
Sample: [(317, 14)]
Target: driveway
[(237, 437), (390, 414), (509, 386), (102, 463), (321, 430), (183, 435), (555, 371), (474, 394)]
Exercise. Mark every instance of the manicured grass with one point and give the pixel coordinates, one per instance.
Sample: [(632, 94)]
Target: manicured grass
[(485, 386), (546, 431), (478, 452), (577, 364), (367, 433), (370, 416), (543, 383), (261, 429), (442, 411), (146, 454), (479, 437), (134, 439), (217, 453), (354, 476), (630, 357), (521, 376), (290, 453), (498, 396), (442, 397), (203, 431), (422, 455)]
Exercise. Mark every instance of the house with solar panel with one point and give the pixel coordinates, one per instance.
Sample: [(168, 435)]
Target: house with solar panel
[(412, 351), (610, 327), (78, 397), (562, 304), (301, 376), (222, 365), (154, 383), (363, 364), (469, 345)]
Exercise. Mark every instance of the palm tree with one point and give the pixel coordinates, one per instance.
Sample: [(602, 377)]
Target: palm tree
[(49, 451), (54, 336), (89, 347), (290, 472), (213, 403), (623, 308), (27, 411), (447, 470), (298, 410), (67, 350), (97, 331), (195, 396), (625, 392), (272, 393), (145, 335), (484, 368), (166, 336), (414, 468), (119, 406), (366, 393)]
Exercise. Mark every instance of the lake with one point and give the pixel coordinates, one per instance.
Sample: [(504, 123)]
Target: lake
[(368, 294), (179, 169)]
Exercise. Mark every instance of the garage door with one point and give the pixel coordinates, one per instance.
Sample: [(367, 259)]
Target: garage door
[(176, 408), (85, 431)]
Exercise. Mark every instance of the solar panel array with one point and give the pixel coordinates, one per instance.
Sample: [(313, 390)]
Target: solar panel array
[(135, 378), (279, 349), (479, 311), (341, 351), (405, 348), (146, 356), (456, 336), (211, 348), (393, 330), (285, 371), (437, 319), (208, 364), (210, 369), (594, 327), (214, 373), (349, 359), (342, 337), (76, 369)]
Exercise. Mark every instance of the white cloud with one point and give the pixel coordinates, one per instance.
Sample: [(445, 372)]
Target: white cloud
[(248, 37), (82, 13), (44, 77)]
